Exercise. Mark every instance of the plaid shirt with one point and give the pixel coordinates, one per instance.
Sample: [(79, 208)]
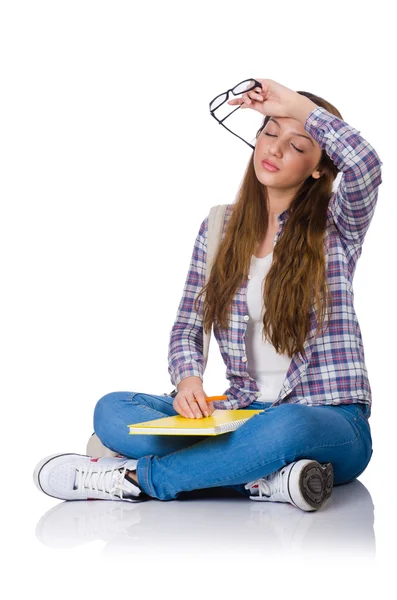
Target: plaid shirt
[(334, 370)]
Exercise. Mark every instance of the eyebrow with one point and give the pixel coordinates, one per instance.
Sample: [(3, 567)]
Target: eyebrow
[(293, 132)]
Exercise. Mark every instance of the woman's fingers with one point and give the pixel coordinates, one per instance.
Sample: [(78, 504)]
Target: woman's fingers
[(200, 404), (248, 100), (255, 96), (210, 408), (181, 405), (235, 101), (192, 404)]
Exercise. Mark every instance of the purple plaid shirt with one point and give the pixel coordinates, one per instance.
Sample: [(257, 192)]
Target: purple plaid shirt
[(334, 370)]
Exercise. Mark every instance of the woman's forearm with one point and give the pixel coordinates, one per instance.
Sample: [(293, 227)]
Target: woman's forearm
[(300, 108)]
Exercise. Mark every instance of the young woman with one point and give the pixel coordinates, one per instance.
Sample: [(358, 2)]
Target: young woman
[(280, 298)]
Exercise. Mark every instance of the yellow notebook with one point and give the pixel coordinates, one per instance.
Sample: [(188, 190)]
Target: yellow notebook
[(221, 421)]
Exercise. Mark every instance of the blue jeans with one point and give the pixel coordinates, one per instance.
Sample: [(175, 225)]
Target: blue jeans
[(169, 465)]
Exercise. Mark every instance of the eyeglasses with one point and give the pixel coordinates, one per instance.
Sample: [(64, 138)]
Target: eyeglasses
[(241, 88)]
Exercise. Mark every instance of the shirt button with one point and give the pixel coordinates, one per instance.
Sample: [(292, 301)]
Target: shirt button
[(246, 317), (244, 359), (315, 122)]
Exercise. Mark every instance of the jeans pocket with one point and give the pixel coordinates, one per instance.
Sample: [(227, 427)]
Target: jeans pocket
[(356, 410), (363, 425), (363, 411), (352, 409), (356, 417), (360, 417)]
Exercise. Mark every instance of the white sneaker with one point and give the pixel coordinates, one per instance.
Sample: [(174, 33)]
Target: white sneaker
[(80, 477), (305, 483)]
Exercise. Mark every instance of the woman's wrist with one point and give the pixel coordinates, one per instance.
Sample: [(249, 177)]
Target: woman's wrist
[(301, 107), (189, 382)]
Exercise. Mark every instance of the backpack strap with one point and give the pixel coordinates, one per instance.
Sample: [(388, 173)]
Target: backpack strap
[(214, 235)]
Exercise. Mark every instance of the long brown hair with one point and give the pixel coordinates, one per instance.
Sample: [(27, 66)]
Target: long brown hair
[(298, 269)]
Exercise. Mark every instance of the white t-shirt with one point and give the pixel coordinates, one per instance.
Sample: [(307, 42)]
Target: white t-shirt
[(263, 363)]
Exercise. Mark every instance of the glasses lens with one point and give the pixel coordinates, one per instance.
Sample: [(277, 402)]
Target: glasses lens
[(242, 87), (243, 123), (218, 101)]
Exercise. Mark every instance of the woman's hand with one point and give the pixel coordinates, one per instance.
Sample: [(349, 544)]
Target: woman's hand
[(273, 99), (190, 400)]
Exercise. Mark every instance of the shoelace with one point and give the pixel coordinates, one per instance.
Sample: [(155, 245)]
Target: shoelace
[(87, 481), (272, 484)]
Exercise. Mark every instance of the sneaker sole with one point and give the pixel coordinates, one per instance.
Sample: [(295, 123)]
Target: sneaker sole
[(315, 483)]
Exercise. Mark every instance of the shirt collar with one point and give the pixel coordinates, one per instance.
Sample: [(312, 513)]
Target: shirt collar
[(282, 216)]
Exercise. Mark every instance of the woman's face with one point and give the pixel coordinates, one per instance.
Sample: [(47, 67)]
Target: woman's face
[(296, 157)]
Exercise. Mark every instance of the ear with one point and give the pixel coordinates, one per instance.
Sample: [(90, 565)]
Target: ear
[(316, 174)]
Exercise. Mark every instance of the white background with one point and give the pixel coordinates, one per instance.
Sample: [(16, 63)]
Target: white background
[(110, 161)]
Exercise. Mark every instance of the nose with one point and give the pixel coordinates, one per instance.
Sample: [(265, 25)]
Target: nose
[(275, 147)]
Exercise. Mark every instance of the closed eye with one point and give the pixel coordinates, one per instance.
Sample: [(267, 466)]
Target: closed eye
[(297, 149)]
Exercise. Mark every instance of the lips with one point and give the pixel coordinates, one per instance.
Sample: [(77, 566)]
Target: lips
[(269, 162)]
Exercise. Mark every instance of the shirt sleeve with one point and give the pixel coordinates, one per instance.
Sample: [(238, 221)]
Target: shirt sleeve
[(352, 205), (185, 350)]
